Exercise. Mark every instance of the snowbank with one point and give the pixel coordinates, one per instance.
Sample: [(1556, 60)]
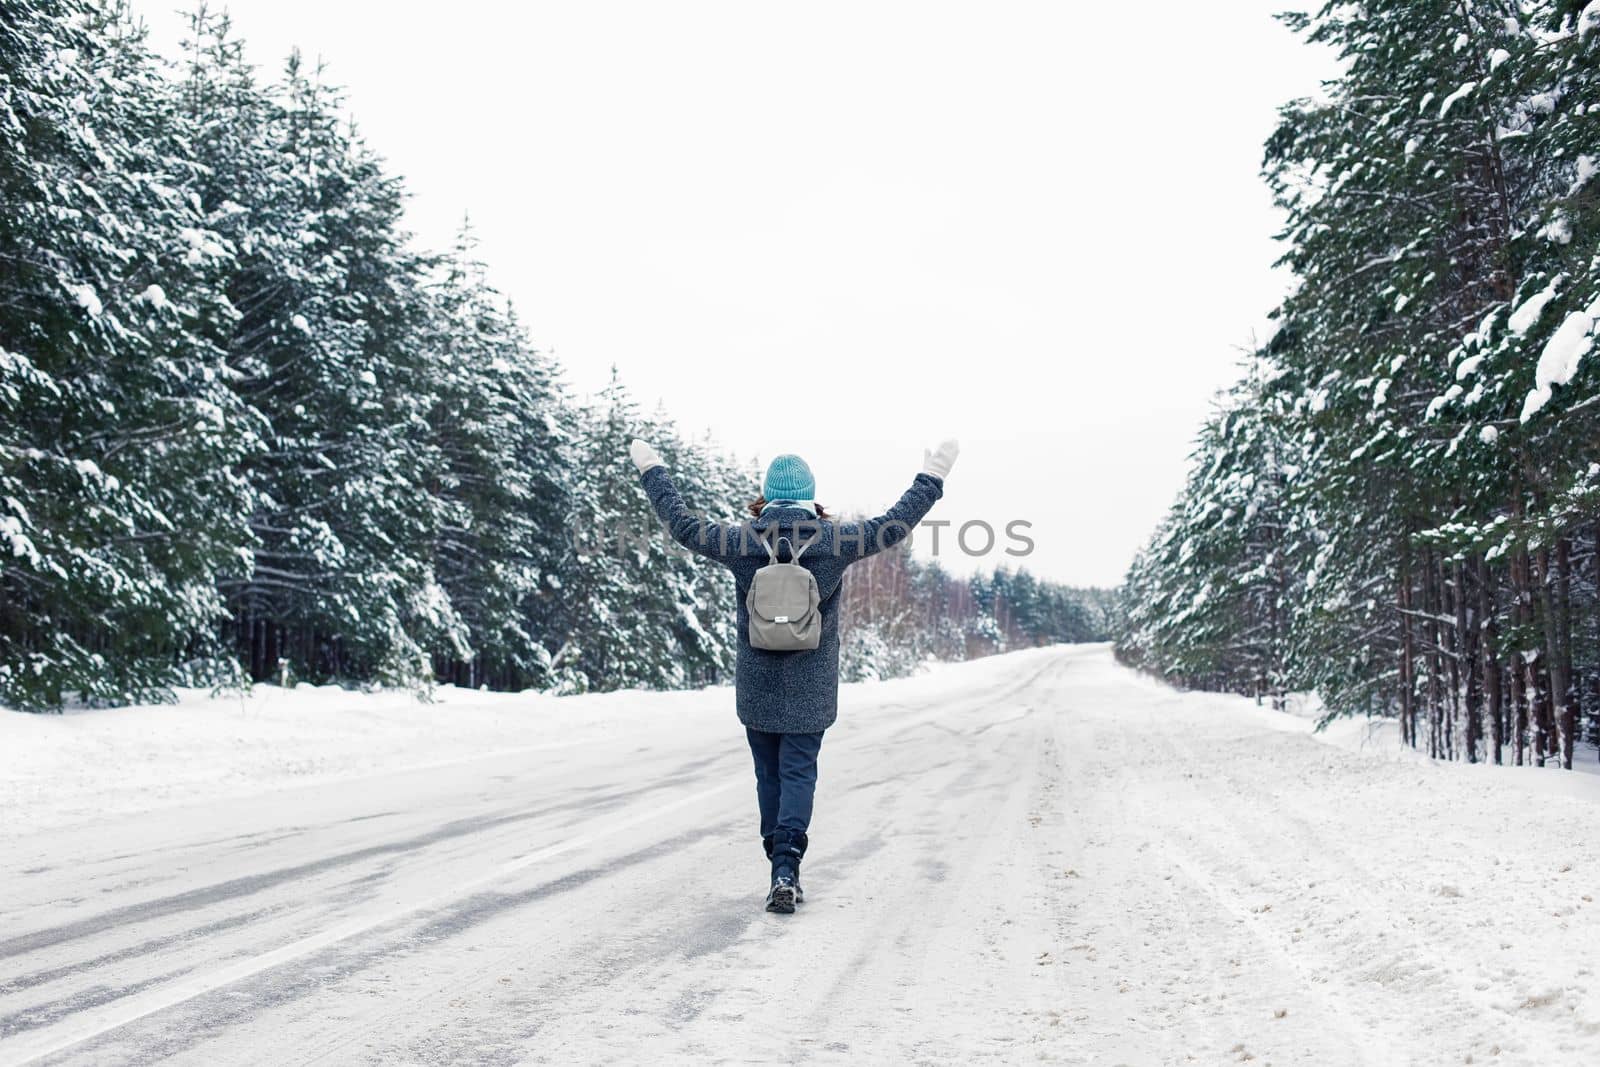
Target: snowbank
[(1379, 739), (56, 770)]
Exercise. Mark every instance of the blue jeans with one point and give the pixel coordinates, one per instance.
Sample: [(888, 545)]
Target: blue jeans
[(786, 780)]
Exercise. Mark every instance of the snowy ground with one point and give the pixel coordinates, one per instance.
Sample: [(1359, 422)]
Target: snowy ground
[(1037, 857)]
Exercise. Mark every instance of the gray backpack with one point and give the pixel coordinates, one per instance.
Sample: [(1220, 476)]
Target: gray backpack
[(785, 612)]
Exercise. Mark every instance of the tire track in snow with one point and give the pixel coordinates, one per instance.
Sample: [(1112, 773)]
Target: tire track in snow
[(811, 944), (38, 1043), (1151, 968)]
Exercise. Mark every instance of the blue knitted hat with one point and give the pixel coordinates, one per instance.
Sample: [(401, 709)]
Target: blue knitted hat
[(788, 478)]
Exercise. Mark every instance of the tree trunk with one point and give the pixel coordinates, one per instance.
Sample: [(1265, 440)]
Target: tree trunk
[(1491, 660), (1430, 604), (1518, 666), (1467, 636), (1567, 704), (1408, 667), (1555, 696)]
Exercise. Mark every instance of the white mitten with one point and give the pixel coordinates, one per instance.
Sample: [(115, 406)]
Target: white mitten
[(644, 457), (940, 460)]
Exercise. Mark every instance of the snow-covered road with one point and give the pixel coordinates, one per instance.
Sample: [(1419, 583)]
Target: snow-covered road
[(1039, 856)]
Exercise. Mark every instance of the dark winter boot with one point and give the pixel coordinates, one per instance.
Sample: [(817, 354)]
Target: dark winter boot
[(782, 896), (786, 849), (801, 841), (799, 893)]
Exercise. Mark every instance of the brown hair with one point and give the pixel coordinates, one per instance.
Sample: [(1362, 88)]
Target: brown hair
[(760, 502)]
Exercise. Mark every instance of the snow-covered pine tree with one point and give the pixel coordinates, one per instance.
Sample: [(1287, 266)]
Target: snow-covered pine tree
[(118, 436), (612, 635), (235, 404), (1431, 365), (502, 436), (1208, 603), (702, 617), (330, 351)]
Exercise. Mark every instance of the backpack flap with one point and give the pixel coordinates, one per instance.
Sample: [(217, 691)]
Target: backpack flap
[(784, 605)]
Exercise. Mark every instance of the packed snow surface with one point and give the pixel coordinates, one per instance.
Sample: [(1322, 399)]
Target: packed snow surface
[(1035, 857)]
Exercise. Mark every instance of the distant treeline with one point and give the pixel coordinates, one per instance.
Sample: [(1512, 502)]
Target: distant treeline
[(1399, 504), (900, 610), (247, 432)]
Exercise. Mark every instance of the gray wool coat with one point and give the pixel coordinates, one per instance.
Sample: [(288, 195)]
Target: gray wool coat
[(789, 692)]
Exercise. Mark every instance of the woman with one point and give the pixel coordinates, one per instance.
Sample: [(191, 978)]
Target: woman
[(786, 699)]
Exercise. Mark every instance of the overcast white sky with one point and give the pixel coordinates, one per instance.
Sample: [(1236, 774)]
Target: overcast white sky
[(850, 230)]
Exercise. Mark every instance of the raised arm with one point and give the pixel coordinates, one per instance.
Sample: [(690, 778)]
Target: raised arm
[(712, 540), (858, 540)]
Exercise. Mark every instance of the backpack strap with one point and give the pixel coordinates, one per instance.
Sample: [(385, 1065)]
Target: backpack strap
[(795, 552), (769, 545)]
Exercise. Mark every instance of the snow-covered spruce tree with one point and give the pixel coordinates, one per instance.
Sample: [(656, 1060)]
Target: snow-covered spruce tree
[(980, 629), (611, 634), (359, 471), (330, 351), (1208, 603), (118, 437), (866, 655), (1441, 221), (1449, 226), (239, 415), (1038, 612), (704, 626), (1533, 391), (1397, 222), (502, 435)]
